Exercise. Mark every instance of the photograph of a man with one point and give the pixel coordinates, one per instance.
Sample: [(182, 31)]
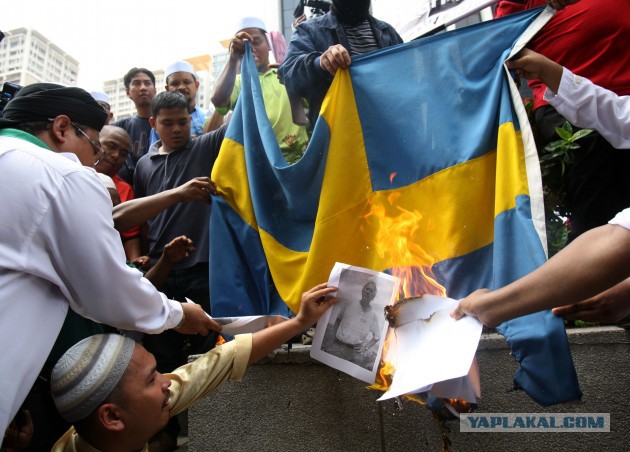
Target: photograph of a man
[(350, 336), (357, 329)]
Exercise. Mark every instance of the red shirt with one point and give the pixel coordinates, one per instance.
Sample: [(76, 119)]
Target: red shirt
[(590, 38), (126, 193)]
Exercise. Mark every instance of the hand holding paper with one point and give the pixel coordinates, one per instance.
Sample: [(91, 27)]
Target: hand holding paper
[(432, 347), (430, 351)]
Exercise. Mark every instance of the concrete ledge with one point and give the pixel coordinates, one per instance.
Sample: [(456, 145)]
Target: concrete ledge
[(295, 403)]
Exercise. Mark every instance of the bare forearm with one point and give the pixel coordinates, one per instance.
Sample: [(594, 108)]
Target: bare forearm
[(551, 74), (610, 306), (225, 83), (594, 262), (215, 121), (267, 340), (137, 211), (315, 302), (132, 248), (159, 272)]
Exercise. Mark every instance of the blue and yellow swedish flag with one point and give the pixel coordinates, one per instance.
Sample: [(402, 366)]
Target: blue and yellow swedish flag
[(429, 129)]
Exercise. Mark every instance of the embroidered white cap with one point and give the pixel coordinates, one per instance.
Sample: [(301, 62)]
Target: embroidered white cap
[(250, 22), (88, 372), (179, 66)]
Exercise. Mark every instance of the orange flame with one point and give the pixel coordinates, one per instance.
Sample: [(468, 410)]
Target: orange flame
[(397, 241), (461, 406), (385, 374)]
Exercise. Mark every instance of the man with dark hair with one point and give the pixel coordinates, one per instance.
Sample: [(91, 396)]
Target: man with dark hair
[(108, 387), (324, 44), (172, 161), (53, 207), (291, 137), (180, 77), (140, 88)]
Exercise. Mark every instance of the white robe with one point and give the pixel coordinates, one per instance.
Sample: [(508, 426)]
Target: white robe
[(590, 106), (59, 248)]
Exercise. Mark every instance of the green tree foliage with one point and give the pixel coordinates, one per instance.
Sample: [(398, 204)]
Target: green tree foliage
[(555, 159)]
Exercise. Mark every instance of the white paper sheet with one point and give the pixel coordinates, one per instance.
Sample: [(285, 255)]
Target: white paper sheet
[(246, 324), (431, 347), (349, 281)]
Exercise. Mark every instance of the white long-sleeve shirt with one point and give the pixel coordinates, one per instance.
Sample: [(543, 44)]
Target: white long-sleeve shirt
[(59, 248), (590, 106), (622, 219)]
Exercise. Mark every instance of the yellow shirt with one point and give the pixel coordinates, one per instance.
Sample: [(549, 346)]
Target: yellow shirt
[(292, 138), (189, 383)]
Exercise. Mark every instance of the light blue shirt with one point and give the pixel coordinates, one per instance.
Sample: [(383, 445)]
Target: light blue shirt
[(197, 119)]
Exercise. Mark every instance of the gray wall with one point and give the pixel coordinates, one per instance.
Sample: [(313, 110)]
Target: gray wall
[(293, 403)]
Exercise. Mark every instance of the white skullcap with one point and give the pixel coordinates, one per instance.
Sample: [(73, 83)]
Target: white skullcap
[(100, 96), (179, 66), (87, 373), (107, 181), (250, 22)]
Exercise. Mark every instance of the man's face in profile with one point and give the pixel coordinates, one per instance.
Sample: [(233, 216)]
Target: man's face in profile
[(145, 393)]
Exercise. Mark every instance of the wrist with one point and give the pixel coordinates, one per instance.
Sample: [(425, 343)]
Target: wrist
[(222, 110), (551, 75), (299, 324), (234, 59), (500, 306), (174, 195), (182, 321)]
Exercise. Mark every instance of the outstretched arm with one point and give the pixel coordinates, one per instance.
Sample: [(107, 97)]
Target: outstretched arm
[(610, 306), (132, 303), (314, 304), (581, 102), (595, 261), (136, 211)]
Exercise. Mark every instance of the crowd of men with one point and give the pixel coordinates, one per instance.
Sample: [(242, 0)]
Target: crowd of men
[(72, 243)]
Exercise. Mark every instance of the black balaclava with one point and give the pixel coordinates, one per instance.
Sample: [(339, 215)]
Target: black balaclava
[(351, 12)]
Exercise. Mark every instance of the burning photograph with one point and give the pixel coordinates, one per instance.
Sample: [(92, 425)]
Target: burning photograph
[(350, 336)]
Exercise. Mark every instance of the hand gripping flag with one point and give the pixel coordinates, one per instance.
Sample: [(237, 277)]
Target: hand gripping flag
[(433, 128)]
